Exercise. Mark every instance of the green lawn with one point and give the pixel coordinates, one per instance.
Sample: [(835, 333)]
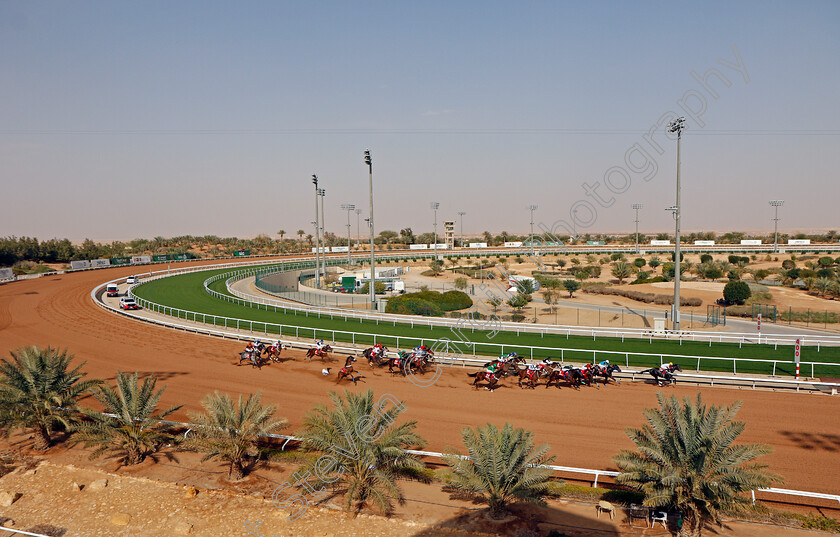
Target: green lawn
[(187, 292)]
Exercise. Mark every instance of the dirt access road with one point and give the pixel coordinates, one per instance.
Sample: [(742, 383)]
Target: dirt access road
[(584, 428)]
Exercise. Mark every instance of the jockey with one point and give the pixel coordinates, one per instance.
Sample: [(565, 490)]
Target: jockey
[(666, 368), (249, 348), (605, 364), (420, 351), (319, 344), (276, 346)]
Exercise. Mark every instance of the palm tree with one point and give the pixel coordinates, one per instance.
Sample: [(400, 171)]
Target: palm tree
[(309, 238), (503, 466), (621, 270), (300, 234), (367, 463), (686, 460), (38, 392), (231, 432), (823, 285), (282, 234), (130, 425)]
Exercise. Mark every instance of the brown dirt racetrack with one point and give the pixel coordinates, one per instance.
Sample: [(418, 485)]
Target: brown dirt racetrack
[(584, 428)]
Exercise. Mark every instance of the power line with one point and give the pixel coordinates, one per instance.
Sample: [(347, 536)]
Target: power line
[(487, 131)]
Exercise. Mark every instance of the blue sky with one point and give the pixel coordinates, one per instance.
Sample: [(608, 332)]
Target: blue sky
[(122, 120)]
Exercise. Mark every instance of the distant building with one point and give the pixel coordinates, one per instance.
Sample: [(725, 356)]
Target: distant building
[(449, 233)]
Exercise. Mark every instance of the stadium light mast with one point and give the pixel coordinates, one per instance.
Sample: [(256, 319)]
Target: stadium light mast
[(677, 126), (317, 239), (435, 206), (776, 204), (372, 282), (461, 218), (348, 207), (636, 207), (323, 194), (532, 208), (358, 233)]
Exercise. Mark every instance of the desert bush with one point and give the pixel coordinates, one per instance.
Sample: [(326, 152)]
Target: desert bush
[(736, 292), (826, 261), (639, 262), (706, 258)]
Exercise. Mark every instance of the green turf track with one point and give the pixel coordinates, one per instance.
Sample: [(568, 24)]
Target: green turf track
[(187, 292)]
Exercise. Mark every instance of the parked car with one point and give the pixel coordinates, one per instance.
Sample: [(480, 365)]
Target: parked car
[(131, 280), (127, 303), (112, 290)]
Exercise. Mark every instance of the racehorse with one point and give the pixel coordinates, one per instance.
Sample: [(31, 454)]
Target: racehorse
[(274, 352), (485, 376), (374, 358), (347, 371), (607, 373), (405, 361), (321, 353), (530, 376), (661, 376), (587, 374), (504, 367), (252, 357), (567, 374)]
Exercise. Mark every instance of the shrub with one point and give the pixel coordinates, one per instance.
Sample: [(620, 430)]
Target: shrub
[(642, 275), (826, 261), (617, 256), (736, 292), (639, 262), (428, 303), (706, 258)]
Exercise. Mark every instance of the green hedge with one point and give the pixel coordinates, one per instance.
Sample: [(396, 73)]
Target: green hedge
[(430, 303)]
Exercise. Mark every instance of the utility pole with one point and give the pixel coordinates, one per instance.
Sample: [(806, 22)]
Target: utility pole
[(677, 126), (435, 205), (637, 206), (532, 208), (776, 204), (317, 239), (372, 285), (323, 193), (348, 207), (461, 218)]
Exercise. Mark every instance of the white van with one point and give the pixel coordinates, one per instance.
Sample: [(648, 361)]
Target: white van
[(112, 290)]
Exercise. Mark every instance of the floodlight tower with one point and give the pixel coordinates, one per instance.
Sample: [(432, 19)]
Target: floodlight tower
[(358, 235), (323, 194), (435, 205), (317, 239), (636, 207), (776, 204), (677, 126), (461, 218), (348, 207), (372, 285), (532, 208)]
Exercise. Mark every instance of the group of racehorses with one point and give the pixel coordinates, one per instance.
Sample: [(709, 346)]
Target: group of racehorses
[(553, 373), (511, 365), (529, 376)]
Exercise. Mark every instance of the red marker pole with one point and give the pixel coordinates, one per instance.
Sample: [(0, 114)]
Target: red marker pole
[(796, 357), (759, 327)]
